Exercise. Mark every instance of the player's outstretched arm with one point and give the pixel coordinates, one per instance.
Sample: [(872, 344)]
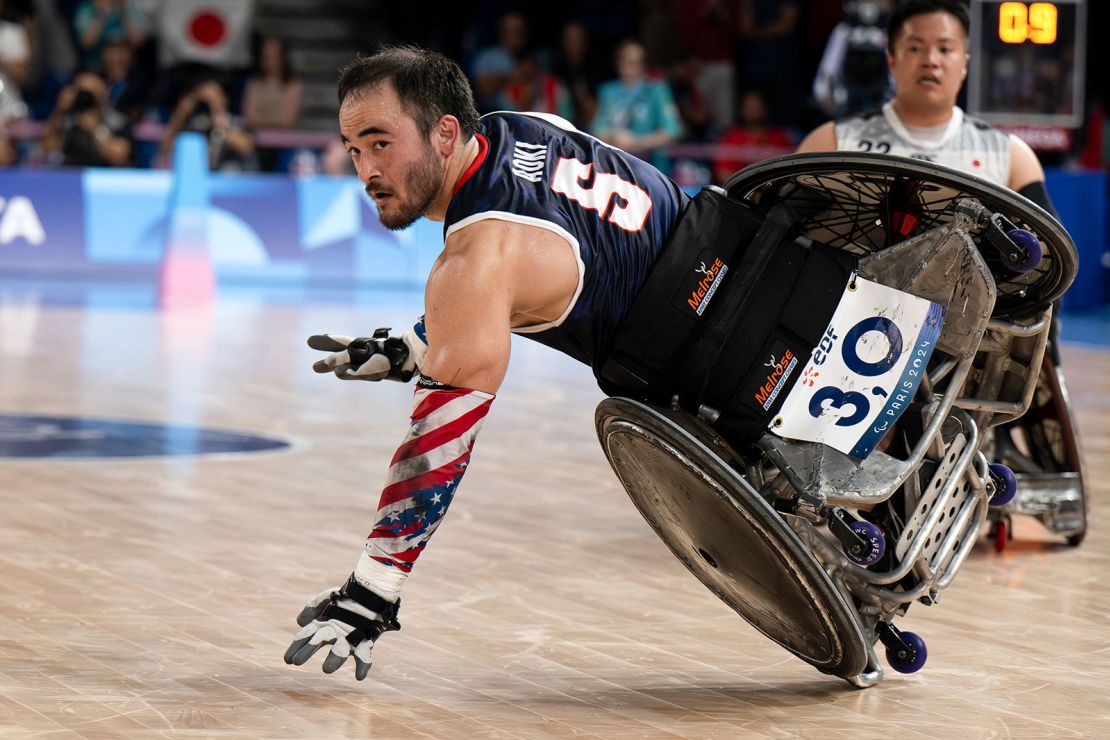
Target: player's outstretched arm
[(468, 320), (379, 357)]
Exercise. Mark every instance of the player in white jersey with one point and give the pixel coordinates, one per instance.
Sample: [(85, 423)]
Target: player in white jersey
[(928, 55)]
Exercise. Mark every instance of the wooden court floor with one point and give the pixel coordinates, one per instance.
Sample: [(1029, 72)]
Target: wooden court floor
[(154, 597)]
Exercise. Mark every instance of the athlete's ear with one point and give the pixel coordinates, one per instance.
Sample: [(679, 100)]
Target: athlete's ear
[(445, 136), (967, 64)]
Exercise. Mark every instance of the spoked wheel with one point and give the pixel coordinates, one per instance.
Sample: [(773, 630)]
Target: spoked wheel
[(1043, 443), (864, 203)]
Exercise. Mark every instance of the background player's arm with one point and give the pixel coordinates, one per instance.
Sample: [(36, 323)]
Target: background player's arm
[(1027, 175), (1025, 168), (820, 139)]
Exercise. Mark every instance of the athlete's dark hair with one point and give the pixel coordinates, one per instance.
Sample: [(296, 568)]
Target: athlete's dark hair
[(906, 9), (428, 84)]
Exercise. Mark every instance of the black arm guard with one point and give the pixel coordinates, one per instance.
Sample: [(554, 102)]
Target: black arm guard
[(1035, 191)]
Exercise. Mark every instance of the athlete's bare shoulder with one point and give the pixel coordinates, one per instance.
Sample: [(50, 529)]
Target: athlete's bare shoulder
[(820, 139)]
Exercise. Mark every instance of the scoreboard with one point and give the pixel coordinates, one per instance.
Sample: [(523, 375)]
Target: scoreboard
[(1027, 62)]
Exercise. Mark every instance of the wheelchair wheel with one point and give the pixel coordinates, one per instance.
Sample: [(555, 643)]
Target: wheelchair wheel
[(1042, 446), (729, 537), (867, 202)]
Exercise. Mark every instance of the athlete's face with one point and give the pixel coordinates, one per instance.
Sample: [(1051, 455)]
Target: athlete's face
[(929, 61), (402, 171)]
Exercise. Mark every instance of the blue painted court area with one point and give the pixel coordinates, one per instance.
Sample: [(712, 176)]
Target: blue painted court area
[(71, 437)]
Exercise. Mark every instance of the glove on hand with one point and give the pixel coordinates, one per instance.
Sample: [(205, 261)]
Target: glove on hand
[(349, 619), (372, 358)]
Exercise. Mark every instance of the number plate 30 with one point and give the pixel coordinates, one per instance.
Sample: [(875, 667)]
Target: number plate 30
[(864, 372)]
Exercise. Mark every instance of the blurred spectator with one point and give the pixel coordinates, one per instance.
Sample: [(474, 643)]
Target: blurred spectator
[(125, 90), (531, 88), (709, 30), (84, 130), (577, 65), (752, 132), (636, 113), (692, 106), (204, 109), (15, 59), (853, 76), (272, 97), (769, 54), (53, 57), (494, 65), (99, 21)]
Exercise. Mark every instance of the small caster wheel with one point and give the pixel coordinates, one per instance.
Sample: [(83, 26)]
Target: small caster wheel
[(1027, 255), (911, 657), (1005, 484), (876, 543), (1001, 534)]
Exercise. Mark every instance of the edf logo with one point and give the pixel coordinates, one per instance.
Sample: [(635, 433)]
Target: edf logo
[(19, 220)]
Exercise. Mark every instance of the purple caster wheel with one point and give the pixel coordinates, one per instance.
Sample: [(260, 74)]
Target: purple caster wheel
[(1005, 484), (1028, 253), (876, 544), (910, 657)]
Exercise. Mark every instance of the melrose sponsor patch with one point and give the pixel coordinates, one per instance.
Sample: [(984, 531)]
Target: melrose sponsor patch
[(705, 277)]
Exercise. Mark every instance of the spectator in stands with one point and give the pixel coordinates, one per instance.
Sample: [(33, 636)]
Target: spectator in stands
[(53, 56), (693, 108), (99, 21), (204, 109), (15, 57), (84, 130), (754, 134), (634, 112), (577, 66), (272, 97), (125, 91), (710, 30), (769, 54), (532, 88), (494, 65)]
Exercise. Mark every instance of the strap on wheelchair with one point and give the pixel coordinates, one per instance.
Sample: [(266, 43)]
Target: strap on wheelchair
[(774, 296), (705, 249), (708, 346)]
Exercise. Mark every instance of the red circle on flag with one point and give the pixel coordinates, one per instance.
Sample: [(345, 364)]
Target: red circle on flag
[(207, 28)]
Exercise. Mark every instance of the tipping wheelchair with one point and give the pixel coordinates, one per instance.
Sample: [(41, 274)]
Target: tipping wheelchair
[(859, 474)]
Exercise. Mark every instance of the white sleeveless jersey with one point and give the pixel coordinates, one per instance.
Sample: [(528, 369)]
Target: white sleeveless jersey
[(967, 144)]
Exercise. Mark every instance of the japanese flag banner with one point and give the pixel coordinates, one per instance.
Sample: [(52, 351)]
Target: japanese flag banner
[(215, 32)]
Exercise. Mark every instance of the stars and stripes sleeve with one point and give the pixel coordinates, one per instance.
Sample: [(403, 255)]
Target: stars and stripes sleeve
[(425, 471)]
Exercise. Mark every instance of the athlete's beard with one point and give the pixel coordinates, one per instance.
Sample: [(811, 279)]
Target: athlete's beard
[(421, 182)]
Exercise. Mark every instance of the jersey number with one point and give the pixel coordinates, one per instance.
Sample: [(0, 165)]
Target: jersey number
[(630, 204)]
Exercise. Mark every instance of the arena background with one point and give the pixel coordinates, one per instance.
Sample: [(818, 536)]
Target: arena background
[(175, 480)]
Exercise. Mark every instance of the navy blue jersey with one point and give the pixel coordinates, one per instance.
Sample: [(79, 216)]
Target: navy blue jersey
[(615, 211)]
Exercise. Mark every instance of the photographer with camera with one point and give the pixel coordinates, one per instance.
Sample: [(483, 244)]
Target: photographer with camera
[(84, 130), (204, 109)]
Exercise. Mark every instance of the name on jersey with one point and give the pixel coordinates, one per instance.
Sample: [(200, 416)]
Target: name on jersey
[(528, 161)]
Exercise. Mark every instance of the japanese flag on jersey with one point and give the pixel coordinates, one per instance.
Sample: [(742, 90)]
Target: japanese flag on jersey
[(215, 32)]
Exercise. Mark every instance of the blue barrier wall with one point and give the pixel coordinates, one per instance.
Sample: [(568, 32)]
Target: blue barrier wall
[(276, 228), (258, 227), (1081, 200)]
